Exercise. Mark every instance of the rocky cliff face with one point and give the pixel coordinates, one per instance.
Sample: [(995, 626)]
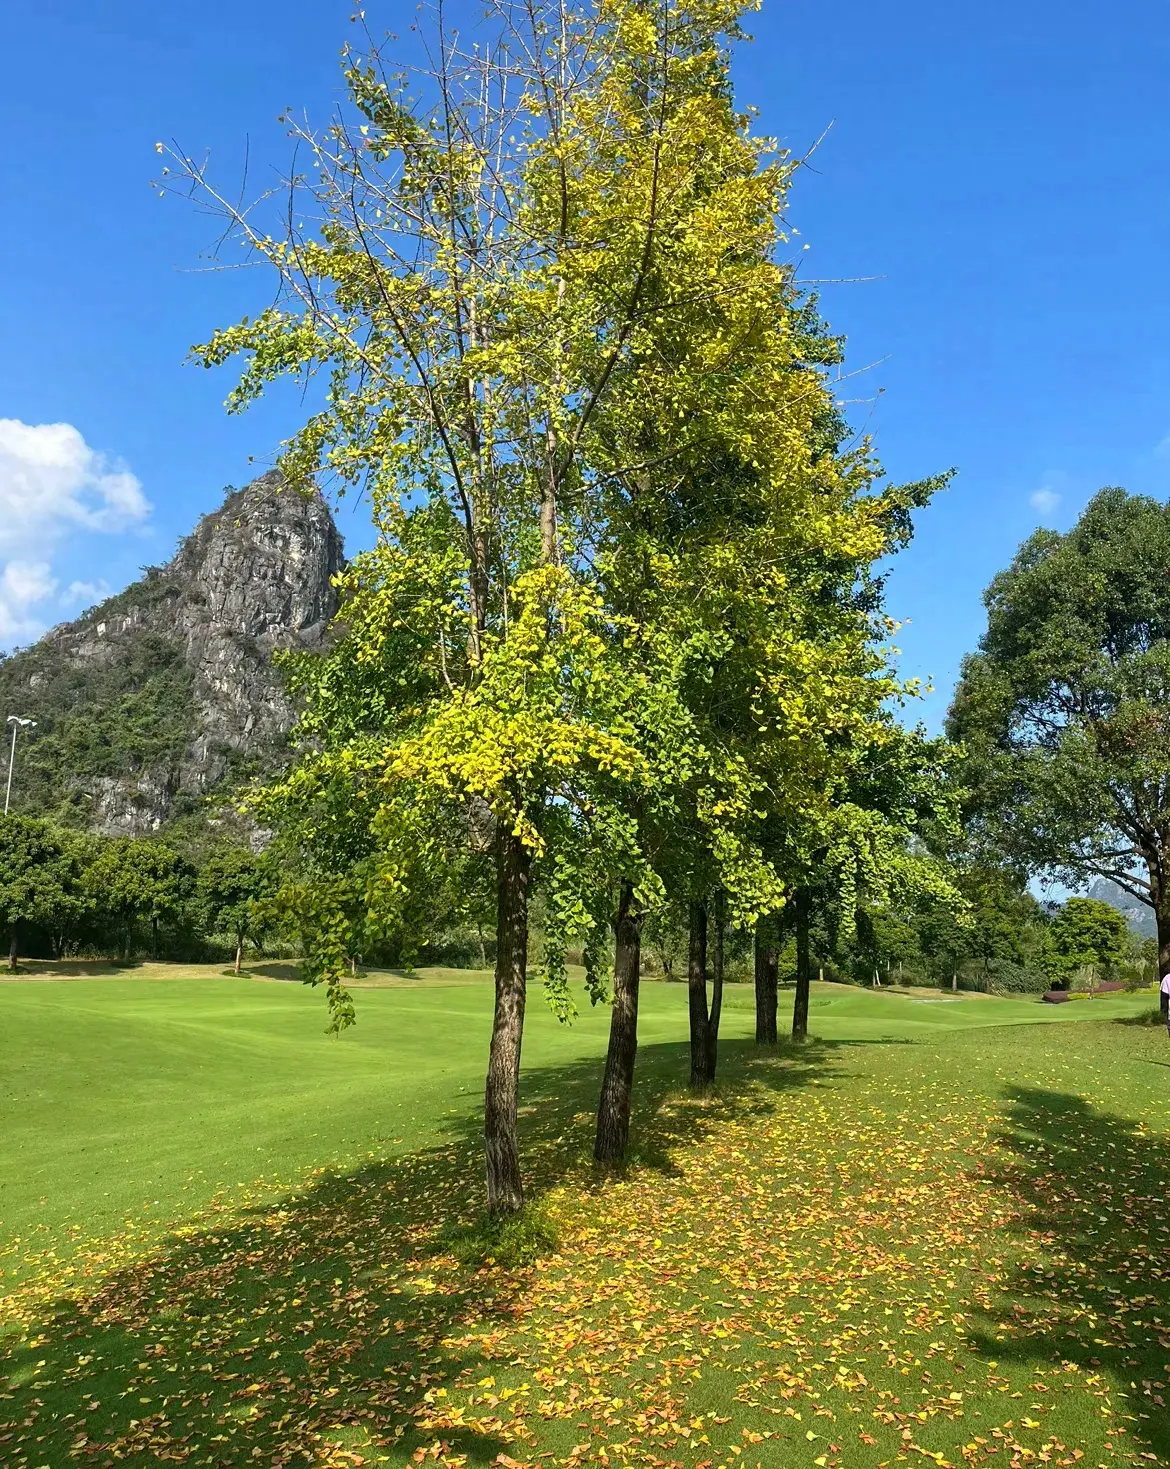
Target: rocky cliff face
[(150, 701), (1138, 915)]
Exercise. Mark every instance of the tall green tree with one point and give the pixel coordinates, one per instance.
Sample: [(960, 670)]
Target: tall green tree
[(874, 843), (487, 269), (545, 303), (134, 880), (1065, 709), (743, 555), (38, 879), (1001, 923), (231, 888), (1087, 934)]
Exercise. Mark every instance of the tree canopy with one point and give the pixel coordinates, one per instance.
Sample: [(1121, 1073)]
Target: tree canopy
[(620, 624), (1065, 709), (36, 877)]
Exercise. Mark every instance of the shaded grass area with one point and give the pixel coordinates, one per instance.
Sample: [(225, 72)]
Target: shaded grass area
[(947, 1244)]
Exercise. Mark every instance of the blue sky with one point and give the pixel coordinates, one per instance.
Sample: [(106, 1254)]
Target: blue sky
[(992, 196)]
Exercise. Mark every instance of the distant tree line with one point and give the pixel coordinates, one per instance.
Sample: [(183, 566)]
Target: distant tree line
[(1001, 941), (65, 893)]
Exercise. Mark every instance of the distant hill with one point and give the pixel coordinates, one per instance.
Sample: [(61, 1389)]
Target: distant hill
[(1139, 916), (162, 694)]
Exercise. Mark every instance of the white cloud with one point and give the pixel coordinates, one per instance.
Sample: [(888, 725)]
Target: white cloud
[(1163, 448), (1045, 500), (53, 486), (23, 584), (85, 593)]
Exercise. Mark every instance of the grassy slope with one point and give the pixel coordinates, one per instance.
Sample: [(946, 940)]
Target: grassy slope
[(119, 1095), (851, 1235)]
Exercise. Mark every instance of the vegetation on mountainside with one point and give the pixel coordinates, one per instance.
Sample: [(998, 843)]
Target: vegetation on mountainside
[(126, 709)]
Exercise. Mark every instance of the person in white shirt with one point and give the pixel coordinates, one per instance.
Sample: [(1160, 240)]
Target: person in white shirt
[(1164, 998)]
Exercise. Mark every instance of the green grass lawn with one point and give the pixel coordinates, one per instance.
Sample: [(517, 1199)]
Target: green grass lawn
[(938, 1233)]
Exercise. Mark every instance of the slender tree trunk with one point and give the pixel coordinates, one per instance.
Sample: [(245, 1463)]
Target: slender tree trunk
[(1163, 941), (613, 1110), (803, 905), (478, 586), (548, 512), (239, 952), (505, 1191), (697, 995), (13, 943), (1160, 892), (720, 916), (154, 937), (767, 963)]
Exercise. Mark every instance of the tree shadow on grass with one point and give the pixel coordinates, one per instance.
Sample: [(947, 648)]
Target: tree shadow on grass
[(1094, 1190), (49, 969), (283, 969), (333, 1316)]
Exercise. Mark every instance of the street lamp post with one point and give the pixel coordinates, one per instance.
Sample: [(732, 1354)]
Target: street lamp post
[(17, 723)]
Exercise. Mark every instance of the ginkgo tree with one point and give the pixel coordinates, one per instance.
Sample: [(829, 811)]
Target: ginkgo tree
[(743, 551), (540, 306)]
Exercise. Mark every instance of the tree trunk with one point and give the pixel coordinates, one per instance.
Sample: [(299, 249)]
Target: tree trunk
[(505, 1191), (13, 944), (767, 963), (154, 938), (1162, 914), (716, 985), (613, 1110), (803, 905), (239, 952), (697, 996)]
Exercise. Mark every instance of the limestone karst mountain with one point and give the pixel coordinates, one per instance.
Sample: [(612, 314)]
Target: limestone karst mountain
[(1138, 915), (162, 694)]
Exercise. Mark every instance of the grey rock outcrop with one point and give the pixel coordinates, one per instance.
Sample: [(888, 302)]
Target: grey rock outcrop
[(1139, 916), (158, 696)]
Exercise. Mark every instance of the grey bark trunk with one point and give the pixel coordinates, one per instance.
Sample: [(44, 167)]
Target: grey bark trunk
[(716, 985), (697, 995), (803, 905), (1161, 895), (613, 1110), (505, 1190), (13, 944), (766, 963)]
